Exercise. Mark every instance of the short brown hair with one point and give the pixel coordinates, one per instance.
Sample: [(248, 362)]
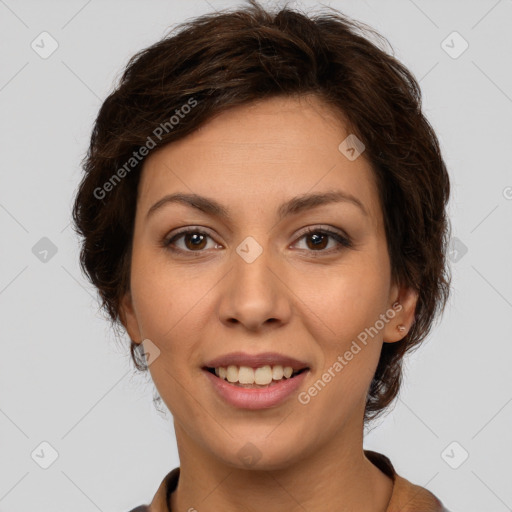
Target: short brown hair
[(229, 58)]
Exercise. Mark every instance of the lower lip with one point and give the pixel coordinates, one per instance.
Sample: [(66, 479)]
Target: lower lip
[(256, 398)]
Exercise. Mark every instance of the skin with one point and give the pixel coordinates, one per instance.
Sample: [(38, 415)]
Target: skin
[(197, 305)]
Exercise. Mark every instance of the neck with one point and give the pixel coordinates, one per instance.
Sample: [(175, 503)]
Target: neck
[(336, 477)]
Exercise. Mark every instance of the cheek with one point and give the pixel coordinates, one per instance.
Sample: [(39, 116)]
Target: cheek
[(169, 312), (351, 298), (166, 298), (350, 305)]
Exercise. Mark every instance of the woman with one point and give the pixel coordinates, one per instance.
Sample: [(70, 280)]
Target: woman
[(264, 211)]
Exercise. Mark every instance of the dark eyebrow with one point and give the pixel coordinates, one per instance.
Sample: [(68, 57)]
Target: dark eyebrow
[(291, 207)]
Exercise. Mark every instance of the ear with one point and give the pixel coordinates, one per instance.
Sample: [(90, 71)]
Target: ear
[(404, 313), (129, 318)]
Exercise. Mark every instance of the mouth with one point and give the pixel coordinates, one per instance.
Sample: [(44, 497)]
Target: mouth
[(245, 387), (260, 377), (255, 381)]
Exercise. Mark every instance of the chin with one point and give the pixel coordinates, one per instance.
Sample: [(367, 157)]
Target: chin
[(259, 452)]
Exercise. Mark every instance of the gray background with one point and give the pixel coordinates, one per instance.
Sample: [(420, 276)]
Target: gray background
[(63, 378)]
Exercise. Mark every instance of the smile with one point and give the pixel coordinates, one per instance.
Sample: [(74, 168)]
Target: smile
[(261, 377)]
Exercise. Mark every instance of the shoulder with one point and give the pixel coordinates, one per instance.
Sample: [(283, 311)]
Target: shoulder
[(161, 498), (411, 497), (406, 497)]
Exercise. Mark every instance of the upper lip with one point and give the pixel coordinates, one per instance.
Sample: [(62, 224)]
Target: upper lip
[(256, 360)]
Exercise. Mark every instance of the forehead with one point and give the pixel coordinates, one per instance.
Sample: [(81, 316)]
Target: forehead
[(259, 155)]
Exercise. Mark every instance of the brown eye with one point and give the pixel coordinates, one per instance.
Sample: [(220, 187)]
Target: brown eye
[(192, 240), (317, 240)]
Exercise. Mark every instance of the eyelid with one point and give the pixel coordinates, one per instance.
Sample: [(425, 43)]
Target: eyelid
[(324, 228)]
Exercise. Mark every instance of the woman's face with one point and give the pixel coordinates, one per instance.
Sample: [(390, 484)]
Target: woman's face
[(250, 287)]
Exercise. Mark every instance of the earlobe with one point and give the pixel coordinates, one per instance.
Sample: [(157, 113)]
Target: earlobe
[(403, 303), (128, 317)]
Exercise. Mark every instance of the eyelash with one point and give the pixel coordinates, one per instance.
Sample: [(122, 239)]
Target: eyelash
[(343, 241)]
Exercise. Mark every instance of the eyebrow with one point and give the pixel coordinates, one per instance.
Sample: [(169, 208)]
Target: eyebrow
[(291, 207)]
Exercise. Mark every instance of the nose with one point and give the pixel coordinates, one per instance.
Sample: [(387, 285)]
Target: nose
[(254, 295)]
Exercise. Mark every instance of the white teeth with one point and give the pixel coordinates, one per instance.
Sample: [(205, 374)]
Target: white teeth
[(277, 372), (261, 376), (245, 375), (232, 373)]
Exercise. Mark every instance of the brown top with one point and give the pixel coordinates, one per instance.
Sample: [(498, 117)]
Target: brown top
[(406, 497)]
